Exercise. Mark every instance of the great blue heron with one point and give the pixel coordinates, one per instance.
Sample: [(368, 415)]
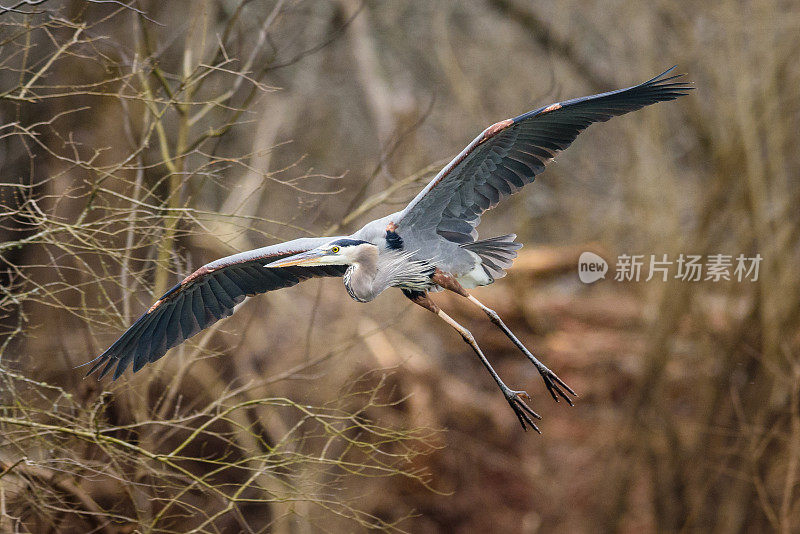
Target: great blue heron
[(430, 245)]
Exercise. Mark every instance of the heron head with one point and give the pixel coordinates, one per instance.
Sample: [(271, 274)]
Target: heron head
[(337, 252)]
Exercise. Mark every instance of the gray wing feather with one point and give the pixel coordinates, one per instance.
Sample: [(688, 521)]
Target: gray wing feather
[(508, 155), (204, 297)]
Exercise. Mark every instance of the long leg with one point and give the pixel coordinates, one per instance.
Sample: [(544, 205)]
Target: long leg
[(551, 380), (523, 412)]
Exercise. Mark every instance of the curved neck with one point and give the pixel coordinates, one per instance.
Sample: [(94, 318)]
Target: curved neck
[(359, 279)]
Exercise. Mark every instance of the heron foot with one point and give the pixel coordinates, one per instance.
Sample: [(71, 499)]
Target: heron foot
[(522, 410), (552, 382)]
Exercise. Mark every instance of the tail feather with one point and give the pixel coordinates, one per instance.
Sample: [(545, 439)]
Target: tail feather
[(496, 253)]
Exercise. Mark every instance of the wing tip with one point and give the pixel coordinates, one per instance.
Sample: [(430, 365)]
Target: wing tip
[(116, 353), (662, 80), (106, 362)]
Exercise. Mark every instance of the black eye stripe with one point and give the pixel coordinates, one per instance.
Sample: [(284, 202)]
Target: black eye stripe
[(347, 242)]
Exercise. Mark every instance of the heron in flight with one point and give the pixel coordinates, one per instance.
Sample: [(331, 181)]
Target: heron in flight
[(430, 245)]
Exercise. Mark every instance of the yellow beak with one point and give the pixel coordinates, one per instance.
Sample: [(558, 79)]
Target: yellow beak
[(309, 258)]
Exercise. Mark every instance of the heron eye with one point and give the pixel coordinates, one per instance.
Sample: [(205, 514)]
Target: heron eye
[(335, 250)]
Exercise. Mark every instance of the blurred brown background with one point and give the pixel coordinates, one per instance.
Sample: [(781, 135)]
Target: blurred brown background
[(141, 140)]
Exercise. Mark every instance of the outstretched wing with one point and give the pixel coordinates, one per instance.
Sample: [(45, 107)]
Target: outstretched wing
[(202, 298), (510, 153)]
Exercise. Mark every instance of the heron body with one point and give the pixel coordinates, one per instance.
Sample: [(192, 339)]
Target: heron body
[(430, 245), (375, 266)]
